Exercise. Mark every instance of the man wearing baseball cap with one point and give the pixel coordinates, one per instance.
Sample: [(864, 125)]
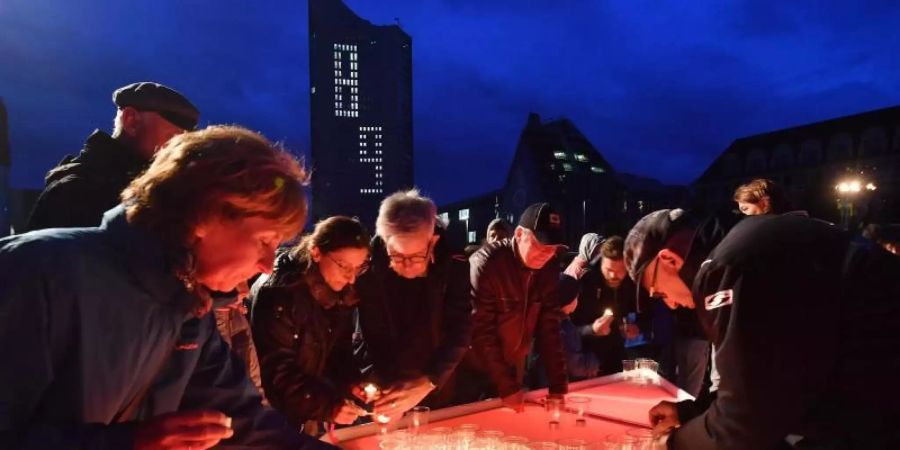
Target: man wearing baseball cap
[(516, 300), (81, 188), (803, 321)]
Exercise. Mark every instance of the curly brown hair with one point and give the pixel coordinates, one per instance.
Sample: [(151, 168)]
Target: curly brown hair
[(221, 171)]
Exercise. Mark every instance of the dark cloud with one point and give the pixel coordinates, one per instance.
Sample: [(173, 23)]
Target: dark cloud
[(659, 87)]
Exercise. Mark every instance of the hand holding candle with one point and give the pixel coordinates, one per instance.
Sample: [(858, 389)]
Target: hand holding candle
[(371, 392), (603, 325)]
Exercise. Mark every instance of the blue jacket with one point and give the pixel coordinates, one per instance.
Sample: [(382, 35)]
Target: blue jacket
[(88, 317)]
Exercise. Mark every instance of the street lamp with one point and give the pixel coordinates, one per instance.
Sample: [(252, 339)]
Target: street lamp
[(848, 191)]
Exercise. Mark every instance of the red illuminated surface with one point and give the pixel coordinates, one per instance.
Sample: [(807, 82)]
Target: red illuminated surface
[(622, 405)]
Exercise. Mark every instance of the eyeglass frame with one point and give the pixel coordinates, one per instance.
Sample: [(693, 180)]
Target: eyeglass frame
[(407, 261), (349, 271)]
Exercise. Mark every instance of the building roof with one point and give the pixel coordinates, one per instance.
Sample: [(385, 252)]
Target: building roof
[(796, 135)]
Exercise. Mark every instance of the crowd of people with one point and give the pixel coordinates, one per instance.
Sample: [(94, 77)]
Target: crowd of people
[(163, 298)]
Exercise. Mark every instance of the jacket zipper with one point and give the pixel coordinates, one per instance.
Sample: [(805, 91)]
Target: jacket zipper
[(524, 312)]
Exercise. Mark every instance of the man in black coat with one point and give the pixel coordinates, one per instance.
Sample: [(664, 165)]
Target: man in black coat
[(415, 306), (803, 321), (83, 187)]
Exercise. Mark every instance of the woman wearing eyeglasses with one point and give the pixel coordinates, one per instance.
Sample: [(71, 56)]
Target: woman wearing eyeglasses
[(303, 324)]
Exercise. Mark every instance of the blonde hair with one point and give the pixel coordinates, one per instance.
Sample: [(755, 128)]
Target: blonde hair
[(405, 212), (221, 171)]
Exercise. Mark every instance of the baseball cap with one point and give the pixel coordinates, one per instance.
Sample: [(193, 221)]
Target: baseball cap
[(545, 222), (646, 238), (163, 100)]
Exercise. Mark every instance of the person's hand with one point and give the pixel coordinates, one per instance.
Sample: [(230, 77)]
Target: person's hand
[(602, 326), (402, 397), (664, 418), (359, 392), (347, 413), (516, 401), (190, 430), (630, 331)]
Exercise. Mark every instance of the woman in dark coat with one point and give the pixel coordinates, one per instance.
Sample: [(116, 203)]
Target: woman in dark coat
[(303, 325)]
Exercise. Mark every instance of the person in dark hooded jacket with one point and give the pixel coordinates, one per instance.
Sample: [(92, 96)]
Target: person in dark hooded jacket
[(803, 320), (303, 323), (81, 188)]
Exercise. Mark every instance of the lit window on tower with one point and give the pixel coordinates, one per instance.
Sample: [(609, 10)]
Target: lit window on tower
[(348, 52), (367, 135)]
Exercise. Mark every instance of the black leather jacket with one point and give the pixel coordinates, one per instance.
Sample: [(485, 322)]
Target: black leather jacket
[(304, 343), (514, 304)]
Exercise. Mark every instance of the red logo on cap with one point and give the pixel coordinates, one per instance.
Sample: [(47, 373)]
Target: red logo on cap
[(554, 219)]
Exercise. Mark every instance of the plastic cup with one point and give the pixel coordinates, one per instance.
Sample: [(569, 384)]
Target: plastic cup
[(418, 418), (628, 369), (572, 444), (643, 438), (514, 443), (578, 405)]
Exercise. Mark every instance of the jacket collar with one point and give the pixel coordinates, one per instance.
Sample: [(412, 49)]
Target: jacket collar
[(143, 254)]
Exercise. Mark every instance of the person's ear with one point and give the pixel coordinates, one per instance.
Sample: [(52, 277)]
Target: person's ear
[(316, 254), (519, 233), (670, 259), (131, 121)]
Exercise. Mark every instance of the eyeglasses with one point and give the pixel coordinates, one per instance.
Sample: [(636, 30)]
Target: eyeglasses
[(414, 260), (349, 270)]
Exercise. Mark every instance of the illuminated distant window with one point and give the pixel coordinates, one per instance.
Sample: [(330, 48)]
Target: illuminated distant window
[(464, 214), (473, 236), (567, 167), (581, 157), (596, 169), (559, 155)]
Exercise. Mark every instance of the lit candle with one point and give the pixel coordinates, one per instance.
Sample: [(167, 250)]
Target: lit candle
[(371, 390)]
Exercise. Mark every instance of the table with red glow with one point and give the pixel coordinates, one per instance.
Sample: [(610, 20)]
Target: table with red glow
[(616, 405)]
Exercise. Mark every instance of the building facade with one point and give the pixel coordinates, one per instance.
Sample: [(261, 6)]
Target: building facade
[(812, 161), (361, 111), (554, 162)]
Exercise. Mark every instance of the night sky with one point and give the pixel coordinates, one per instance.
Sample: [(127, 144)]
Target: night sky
[(659, 87)]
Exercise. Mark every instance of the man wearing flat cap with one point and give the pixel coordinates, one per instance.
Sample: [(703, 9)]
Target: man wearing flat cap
[(81, 188), (803, 320), (516, 300)]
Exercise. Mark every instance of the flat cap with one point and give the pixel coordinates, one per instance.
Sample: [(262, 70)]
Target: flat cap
[(163, 100)]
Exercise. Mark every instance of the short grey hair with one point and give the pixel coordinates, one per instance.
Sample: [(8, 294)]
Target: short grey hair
[(405, 212)]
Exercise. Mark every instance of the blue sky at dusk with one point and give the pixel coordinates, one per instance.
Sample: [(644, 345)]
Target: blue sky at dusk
[(660, 88)]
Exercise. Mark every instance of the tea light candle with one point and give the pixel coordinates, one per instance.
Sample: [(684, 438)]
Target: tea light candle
[(371, 390)]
